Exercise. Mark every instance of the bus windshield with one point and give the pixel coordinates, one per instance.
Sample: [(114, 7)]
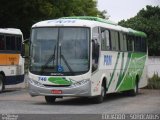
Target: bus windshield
[(59, 50), (10, 42)]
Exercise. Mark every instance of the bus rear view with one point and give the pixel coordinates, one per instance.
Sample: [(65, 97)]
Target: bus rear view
[(11, 60)]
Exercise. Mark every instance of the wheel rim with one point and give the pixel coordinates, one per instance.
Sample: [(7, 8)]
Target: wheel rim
[(136, 88), (102, 92)]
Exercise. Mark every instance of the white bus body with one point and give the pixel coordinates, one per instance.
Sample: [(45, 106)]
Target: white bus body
[(106, 66), (11, 61)]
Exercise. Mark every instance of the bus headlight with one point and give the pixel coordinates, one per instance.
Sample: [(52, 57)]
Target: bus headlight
[(82, 82), (36, 83)]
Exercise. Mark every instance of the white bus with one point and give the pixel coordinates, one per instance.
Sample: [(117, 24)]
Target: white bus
[(85, 57), (11, 61)]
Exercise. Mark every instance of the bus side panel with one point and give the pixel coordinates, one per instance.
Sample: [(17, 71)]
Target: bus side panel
[(96, 79), (115, 68), (12, 65), (144, 78), (136, 67), (120, 69), (9, 59), (109, 68)]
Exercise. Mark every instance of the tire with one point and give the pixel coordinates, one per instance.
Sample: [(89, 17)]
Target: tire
[(100, 98), (50, 99), (135, 91), (1, 83)]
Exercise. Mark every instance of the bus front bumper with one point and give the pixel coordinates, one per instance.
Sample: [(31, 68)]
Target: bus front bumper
[(83, 90)]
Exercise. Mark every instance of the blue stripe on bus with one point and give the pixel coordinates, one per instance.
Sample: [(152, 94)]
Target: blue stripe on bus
[(11, 80)]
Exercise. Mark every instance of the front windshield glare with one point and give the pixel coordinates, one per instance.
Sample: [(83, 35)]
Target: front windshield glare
[(60, 50)]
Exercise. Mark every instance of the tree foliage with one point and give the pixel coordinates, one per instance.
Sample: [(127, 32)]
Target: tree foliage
[(24, 13), (148, 21)]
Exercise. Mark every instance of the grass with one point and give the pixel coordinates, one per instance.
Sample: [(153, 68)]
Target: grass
[(154, 82)]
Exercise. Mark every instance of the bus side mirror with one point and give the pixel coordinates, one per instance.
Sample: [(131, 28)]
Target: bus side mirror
[(25, 49), (95, 49)]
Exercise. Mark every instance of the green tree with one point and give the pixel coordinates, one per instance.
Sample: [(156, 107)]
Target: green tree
[(148, 21), (24, 13)]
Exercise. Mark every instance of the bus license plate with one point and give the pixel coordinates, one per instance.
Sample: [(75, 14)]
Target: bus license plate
[(56, 91)]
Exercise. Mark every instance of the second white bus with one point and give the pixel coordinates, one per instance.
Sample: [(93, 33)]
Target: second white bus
[(11, 61)]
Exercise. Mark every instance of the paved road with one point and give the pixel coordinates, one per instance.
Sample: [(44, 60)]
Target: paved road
[(19, 101)]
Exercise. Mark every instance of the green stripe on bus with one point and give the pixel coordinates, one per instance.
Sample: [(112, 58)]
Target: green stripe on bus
[(120, 74), (135, 67), (59, 81), (121, 77), (115, 66)]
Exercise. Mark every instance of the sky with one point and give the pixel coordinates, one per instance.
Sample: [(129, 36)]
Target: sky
[(124, 9)]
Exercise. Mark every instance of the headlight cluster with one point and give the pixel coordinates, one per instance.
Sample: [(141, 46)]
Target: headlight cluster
[(78, 83), (36, 83), (74, 83)]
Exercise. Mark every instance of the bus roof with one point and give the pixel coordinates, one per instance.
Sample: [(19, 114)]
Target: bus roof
[(11, 31), (87, 21), (91, 19), (137, 33)]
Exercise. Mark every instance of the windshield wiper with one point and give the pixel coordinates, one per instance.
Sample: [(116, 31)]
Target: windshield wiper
[(65, 61), (52, 57)]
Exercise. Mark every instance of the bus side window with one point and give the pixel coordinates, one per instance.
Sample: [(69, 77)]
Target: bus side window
[(2, 42), (13, 43), (108, 41), (121, 42), (114, 40), (105, 41), (129, 43), (8, 43), (143, 43), (133, 42), (137, 45), (18, 42), (124, 42), (95, 48)]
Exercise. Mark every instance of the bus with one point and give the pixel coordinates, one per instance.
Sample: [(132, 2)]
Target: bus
[(11, 61), (85, 57)]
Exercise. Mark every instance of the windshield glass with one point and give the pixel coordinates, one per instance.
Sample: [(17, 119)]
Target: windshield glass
[(59, 50)]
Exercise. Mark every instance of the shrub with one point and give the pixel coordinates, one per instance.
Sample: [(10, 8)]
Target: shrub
[(154, 82)]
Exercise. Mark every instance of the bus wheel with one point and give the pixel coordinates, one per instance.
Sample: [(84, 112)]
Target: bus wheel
[(1, 83), (50, 99), (135, 91), (100, 98)]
